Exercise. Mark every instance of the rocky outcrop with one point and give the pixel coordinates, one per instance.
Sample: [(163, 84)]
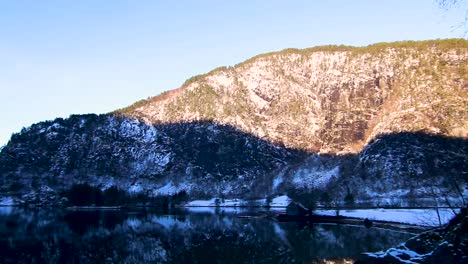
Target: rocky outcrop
[(445, 245)]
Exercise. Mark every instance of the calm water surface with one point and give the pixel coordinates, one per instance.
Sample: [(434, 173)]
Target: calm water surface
[(64, 236)]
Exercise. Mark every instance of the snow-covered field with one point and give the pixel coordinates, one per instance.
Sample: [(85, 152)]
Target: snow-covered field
[(422, 217)]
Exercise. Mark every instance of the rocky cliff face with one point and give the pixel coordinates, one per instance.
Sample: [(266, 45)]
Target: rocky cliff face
[(326, 118)]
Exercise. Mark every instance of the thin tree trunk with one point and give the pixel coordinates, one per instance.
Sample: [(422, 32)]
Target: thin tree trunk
[(459, 191), (437, 205), (449, 204)]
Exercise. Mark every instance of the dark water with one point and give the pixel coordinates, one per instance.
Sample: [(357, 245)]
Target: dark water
[(63, 236)]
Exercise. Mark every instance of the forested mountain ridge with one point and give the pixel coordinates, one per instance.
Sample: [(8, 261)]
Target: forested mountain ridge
[(381, 122)]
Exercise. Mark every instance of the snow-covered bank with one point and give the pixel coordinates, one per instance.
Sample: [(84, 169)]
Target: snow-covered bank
[(280, 201), (422, 217), (442, 245), (7, 201), (217, 210), (216, 202)]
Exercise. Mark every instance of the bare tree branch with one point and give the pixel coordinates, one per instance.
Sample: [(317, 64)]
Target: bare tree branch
[(446, 4), (450, 4)]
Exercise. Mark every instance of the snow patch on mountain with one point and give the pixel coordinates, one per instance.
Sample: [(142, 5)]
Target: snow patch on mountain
[(170, 188), (279, 178), (313, 178), (280, 201)]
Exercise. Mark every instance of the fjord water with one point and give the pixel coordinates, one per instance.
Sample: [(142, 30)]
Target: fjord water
[(117, 236)]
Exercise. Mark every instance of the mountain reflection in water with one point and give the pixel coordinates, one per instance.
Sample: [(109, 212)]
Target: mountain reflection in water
[(63, 236)]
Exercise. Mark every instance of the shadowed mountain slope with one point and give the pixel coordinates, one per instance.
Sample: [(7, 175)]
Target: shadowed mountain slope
[(207, 160)]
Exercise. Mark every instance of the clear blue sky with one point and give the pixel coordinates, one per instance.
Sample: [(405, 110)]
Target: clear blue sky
[(85, 56)]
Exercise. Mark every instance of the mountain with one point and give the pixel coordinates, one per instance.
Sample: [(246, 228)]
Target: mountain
[(328, 99), (383, 123)]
